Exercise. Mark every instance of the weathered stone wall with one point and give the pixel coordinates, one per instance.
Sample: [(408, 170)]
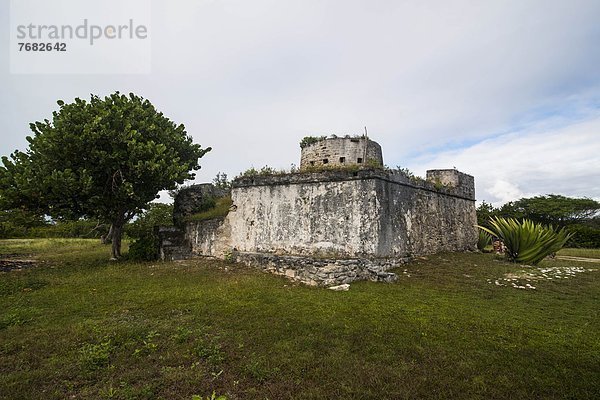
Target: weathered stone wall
[(210, 238), (340, 152), (338, 226), (321, 218), (454, 178), (174, 244), (417, 221), (368, 213)]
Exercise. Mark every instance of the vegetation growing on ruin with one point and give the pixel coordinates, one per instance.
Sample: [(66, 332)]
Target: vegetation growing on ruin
[(370, 164), (409, 174), (308, 140), (78, 326), (270, 171), (220, 208), (221, 181), (333, 167), (264, 171)]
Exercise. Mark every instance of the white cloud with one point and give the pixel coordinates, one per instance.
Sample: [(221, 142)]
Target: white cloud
[(505, 191), (537, 161)]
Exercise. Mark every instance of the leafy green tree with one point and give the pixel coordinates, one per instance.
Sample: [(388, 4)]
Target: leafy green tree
[(552, 209), (485, 212), (154, 214), (220, 181), (104, 159), (18, 222)]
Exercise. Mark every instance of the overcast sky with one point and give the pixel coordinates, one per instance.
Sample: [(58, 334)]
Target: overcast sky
[(508, 91)]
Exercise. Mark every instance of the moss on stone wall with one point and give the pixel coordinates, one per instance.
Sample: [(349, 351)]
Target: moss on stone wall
[(220, 209)]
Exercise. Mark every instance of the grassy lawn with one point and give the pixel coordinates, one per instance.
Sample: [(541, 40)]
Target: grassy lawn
[(77, 326), (587, 253)]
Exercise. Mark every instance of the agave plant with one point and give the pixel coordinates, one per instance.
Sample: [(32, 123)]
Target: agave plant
[(483, 240), (526, 241)]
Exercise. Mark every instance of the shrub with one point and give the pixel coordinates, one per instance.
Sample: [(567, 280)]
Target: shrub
[(308, 140), (251, 172), (221, 181), (584, 236), (526, 241), (145, 245)]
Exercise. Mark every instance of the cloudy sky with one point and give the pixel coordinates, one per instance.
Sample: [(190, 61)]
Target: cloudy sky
[(508, 91)]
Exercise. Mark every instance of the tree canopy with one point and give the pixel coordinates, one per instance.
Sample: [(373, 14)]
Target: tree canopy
[(105, 159), (552, 209)]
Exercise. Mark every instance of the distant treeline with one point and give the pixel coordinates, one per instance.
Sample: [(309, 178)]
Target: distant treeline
[(23, 224), (578, 215)]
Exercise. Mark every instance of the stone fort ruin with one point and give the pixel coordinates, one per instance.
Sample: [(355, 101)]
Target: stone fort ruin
[(342, 217)]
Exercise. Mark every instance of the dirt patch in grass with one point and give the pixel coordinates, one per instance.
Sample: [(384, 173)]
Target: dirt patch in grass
[(16, 262)]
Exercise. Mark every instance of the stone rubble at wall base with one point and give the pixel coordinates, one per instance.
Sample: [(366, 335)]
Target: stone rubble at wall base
[(322, 271)]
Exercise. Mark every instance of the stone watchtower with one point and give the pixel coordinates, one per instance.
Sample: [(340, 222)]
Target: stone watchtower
[(341, 152)]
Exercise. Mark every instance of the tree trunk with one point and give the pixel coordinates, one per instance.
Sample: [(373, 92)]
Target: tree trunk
[(117, 233), (105, 239)]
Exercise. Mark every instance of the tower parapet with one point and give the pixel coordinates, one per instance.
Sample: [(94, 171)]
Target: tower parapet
[(341, 152), (462, 182)]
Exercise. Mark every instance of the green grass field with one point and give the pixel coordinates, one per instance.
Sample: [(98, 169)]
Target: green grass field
[(465, 326), (586, 253)]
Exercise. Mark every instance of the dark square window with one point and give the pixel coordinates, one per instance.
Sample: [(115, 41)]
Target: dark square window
[(325, 161), (342, 160), (359, 160)]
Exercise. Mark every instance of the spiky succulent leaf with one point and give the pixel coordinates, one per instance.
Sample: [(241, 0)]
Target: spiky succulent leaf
[(525, 241)]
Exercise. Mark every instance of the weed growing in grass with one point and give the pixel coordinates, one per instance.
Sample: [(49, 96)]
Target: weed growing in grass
[(109, 392), (182, 334), (96, 356), (14, 318), (257, 369), (148, 344), (210, 351), (213, 396)]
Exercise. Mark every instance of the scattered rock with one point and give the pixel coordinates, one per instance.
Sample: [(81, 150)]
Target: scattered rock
[(345, 287), (532, 274), (7, 265)]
